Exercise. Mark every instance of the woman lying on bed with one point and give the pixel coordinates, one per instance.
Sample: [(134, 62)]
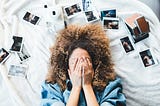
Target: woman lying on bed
[(81, 70)]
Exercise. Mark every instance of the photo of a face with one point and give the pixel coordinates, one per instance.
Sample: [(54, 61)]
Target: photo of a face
[(110, 23), (31, 18), (3, 55), (91, 16), (73, 10), (108, 13), (17, 71), (127, 45), (147, 58), (23, 55), (17, 44)]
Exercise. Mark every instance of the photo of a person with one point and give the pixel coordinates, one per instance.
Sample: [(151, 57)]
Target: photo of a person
[(80, 69), (72, 10), (23, 55), (31, 18), (17, 44), (147, 58), (110, 23), (90, 16), (127, 45), (3, 55)]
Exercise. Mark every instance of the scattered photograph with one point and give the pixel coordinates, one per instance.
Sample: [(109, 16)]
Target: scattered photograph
[(110, 23), (23, 55), (73, 10), (91, 16), (17, 44), (108, 13), (17, 70), (127, 45), (148, 58), (33, 19), (3, 55)]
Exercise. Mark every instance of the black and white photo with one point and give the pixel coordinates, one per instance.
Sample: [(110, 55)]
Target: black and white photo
[(17, 70), (23, 55), (3, 55), (17, 44)]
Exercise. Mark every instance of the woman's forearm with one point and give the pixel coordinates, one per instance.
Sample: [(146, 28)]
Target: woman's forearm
[(74, 97), (90, 96)]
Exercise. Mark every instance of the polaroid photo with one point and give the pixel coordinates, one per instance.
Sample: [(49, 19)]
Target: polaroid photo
[(110, 23), (31, 18), (91, 16), (4, 54), (23, 55), (17, 70), (127, 44), (108, 13), (73, 10), (148, 58), (17, 44)]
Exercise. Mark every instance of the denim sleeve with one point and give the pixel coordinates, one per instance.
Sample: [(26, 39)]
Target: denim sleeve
[(51, 95), (112, 95)]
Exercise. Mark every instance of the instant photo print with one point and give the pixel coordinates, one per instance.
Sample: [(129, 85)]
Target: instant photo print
[(17, 71), (31, 18), (108, 13), (127, 44), (17, 44), (148, 58), (73, 10), (3, 55), (23, 55), (91, 16), (110, 23)]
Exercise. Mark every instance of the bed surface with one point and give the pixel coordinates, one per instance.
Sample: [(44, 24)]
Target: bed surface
[(141, 86)]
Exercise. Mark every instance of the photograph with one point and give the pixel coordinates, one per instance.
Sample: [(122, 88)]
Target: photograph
[(23, 55), (147, 58), (73, 10), (17, 44), (110, 23), (108, 13), (3, 55), (127, 45), (91, 16), (29, 17), (17, 70)]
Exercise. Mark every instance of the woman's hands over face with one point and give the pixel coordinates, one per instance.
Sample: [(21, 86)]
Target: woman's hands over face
[(82, 72)]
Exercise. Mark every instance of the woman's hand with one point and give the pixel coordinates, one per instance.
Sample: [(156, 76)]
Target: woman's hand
[(75, 73), (87, 72)]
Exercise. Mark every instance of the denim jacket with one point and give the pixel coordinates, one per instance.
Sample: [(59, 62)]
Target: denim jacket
[(111, 96)]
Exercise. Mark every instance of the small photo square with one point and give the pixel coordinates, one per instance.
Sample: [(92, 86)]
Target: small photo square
[(73, 10), (17, 44), (110, 23), (17, 71), (33, 19), (147, 58), (108, 13), (3, 55), (23, 55), (127, 45), (91, 16)]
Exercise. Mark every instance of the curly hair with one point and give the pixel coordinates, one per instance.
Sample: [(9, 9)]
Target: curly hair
[(93, 39)]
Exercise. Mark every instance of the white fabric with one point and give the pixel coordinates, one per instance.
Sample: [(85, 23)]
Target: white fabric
[(141, 86)]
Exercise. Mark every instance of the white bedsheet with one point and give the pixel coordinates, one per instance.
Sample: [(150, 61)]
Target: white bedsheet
[(141, 86)]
